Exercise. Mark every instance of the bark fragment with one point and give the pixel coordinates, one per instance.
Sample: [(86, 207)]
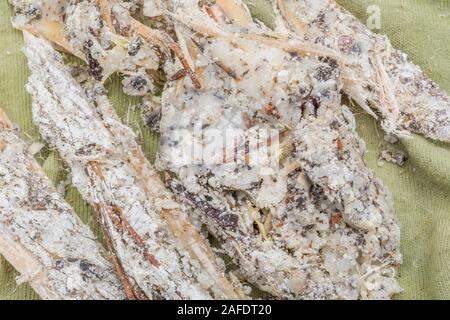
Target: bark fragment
[(41, 235)]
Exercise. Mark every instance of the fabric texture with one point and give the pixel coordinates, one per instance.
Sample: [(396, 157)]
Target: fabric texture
[(421, 188)]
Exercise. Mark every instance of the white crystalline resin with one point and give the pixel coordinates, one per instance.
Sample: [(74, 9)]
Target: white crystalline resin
[(318, 226), (375, 74)]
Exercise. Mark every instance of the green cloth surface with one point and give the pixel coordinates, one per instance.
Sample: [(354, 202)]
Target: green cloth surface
[(421, 189)]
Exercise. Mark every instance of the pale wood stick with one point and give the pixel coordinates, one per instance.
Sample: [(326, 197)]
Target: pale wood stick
[(40, 234), (236, 11)]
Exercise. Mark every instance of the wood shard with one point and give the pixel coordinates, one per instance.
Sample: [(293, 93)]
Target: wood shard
[(47, 244)]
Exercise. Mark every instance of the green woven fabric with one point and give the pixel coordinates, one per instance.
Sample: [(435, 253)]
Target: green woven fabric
[(421, 188)]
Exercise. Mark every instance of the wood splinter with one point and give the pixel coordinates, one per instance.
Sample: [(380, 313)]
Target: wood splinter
[(64, 261), (120, 221)]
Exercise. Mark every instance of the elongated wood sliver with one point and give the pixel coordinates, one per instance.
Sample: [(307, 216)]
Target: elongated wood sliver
[(41, 235)]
